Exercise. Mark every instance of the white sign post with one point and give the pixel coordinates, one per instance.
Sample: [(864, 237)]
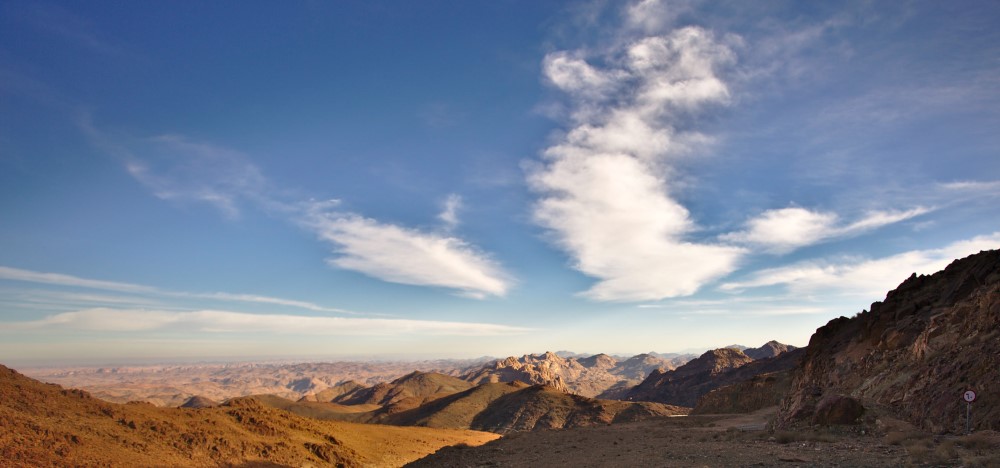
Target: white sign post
[(969, 396)]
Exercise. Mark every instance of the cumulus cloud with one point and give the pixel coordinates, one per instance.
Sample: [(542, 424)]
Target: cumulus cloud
[(216, 321), (408, 256), (864, 277), (786, 229), (604, 188)]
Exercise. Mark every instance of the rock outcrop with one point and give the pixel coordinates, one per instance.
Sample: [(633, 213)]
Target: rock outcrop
[(913, 354)]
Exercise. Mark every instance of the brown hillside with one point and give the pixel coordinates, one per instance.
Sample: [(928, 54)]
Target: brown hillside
[(916, 352), (409, 391), (45, 425)]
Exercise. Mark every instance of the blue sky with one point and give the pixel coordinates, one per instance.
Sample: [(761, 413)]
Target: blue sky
[(457, 179)]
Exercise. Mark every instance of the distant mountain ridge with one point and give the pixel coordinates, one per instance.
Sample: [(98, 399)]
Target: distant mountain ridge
[(587, 376)]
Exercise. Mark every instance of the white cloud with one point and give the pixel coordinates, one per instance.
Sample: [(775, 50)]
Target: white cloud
[(864, 277), (449, 215), (786, 229), (988, 188), (215, 321), (17, 274), (407, 256), (176, 168), (604, 188)]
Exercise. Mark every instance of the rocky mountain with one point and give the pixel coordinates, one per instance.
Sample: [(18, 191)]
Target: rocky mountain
[(683, 386), (716, 368), (768, 350), (914, 354), (587, 376), (46, 425), (750, 387)]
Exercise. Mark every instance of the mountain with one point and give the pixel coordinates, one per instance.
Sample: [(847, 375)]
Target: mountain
[(683, 386), (598, 361), (915, 353), (408, 391), (587, 376), (768, 350), (752, 386), (46, 425)]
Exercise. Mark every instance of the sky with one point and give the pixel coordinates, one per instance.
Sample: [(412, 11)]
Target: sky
[(408, 180)]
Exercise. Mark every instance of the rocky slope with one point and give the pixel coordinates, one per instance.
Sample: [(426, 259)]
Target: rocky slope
[(751, 387), (914, 353), (45, 425)]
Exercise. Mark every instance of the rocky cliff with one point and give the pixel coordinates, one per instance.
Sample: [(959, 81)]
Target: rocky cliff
[(914, 353)]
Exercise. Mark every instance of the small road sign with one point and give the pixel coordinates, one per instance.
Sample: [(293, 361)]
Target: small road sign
[(969, 396)]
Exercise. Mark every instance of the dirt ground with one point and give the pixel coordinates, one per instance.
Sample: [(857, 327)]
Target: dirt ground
[(715, 441)]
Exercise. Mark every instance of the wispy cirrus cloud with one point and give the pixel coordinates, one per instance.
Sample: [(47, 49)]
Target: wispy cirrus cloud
[(605, 188), (58, 279), (17, 274), (861, 276), (407, 256), (176, 168), (217, 321), (784, 230)]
